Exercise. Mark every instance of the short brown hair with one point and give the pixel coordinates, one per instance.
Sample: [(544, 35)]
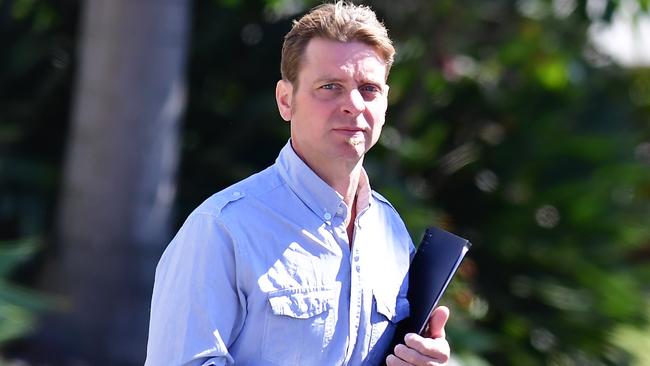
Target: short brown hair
[(343, 22)]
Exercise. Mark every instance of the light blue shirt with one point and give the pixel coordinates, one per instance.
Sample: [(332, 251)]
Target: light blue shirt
[(262, 273)]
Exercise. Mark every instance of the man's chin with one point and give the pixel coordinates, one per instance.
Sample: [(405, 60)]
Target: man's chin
[(357, 140), (352, 150)]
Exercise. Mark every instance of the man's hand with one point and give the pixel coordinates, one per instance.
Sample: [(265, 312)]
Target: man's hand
[(431, 350)]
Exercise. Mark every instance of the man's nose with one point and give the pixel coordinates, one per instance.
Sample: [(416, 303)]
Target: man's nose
[(354, 103)]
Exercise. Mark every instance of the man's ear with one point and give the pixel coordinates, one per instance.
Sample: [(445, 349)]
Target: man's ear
[(283, 96)]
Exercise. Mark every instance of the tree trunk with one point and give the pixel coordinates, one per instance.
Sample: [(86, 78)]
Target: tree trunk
[(120, 171)]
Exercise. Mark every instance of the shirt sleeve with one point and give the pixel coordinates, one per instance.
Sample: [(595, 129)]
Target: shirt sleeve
[(197, 308)]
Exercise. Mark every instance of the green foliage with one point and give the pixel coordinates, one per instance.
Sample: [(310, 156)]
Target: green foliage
[(35, 80), (35, 83), (17, 304), (636, 341)]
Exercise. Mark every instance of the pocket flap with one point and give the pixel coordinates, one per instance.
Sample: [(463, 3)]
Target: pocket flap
[(301, 302), (394, 309)]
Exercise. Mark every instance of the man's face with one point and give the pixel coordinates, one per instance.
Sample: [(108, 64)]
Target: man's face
[(339, 106)]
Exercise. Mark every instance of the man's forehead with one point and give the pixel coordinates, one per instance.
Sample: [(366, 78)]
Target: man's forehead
[(339, 59), (336, 51)]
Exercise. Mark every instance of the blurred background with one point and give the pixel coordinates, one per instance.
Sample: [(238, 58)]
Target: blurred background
[(521, 125)]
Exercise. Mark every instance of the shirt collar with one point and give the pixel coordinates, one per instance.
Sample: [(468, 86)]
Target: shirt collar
[(314, 192)]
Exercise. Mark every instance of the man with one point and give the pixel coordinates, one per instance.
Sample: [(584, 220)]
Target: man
[(300, 264)]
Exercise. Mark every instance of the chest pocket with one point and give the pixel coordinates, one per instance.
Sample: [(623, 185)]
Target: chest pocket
[(299, 324), (390, 306), (393, 309)]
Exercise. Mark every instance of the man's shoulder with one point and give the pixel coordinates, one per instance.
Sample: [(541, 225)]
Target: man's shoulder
[(383, 200), (235, 196), (387, 208)]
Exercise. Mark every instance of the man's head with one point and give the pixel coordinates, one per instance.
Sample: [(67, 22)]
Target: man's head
[(342, 22), (333, 92)]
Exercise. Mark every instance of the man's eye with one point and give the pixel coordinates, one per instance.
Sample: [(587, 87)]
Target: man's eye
[(370, 89), (328, 86)]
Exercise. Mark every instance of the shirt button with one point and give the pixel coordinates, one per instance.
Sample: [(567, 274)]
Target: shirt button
[(236, 194), (358, 268), (327, 216), (356, 258)]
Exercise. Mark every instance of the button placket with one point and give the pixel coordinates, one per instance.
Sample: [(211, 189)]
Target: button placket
[(359, 288)]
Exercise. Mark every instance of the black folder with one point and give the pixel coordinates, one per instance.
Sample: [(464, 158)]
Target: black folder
[(436, 260)]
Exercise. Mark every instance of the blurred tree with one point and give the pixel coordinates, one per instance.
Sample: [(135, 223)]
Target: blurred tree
[(119, 184)]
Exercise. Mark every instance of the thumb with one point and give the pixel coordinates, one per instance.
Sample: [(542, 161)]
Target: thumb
[(437, 322)]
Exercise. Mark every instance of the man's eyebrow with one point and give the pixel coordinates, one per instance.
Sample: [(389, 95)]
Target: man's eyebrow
[(329, 79), (334, 79)]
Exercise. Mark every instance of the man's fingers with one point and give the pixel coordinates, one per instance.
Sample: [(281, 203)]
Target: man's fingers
[(437, 349), (393, 360), (433, 349), (437, 322), (413, 357)]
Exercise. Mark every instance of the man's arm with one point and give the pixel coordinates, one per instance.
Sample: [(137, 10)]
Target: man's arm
[(196, 307), (432, 349)]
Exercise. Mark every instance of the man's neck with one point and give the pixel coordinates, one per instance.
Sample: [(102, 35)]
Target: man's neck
[(342, 175), (343, 178), (346, 184)]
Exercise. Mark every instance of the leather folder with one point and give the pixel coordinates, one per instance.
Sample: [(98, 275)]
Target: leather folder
[(436, 260)]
